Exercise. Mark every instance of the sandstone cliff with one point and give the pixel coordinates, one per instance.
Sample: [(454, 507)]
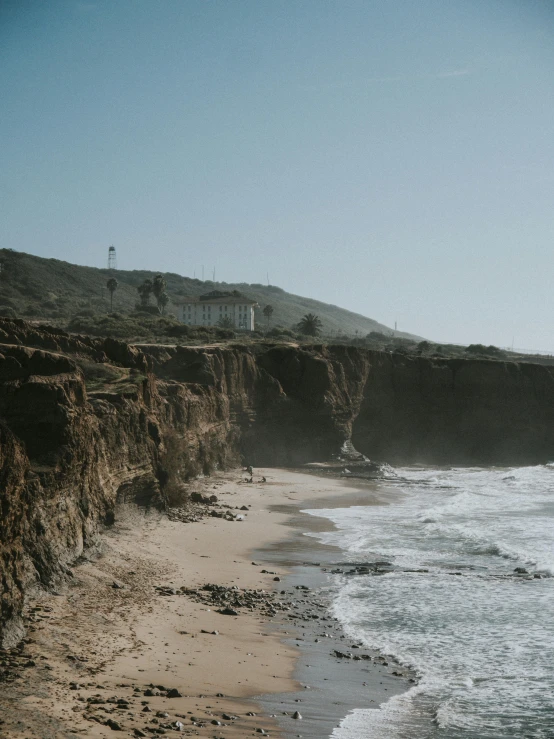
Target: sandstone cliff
[(87, 423), (456, 412)]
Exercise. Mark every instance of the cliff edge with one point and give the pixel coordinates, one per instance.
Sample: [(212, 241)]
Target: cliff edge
[(88, 423)]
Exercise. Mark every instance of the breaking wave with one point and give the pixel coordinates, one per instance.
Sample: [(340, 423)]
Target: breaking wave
[(478, 641)]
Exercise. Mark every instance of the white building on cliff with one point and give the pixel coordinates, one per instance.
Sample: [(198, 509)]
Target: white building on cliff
[(212, 308)]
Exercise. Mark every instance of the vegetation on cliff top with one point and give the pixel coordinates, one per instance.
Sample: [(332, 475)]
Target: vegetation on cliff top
[(78, 299), (33, 287), (145, 327), (310, 325)]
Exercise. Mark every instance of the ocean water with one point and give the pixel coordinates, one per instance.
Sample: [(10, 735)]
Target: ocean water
[(482, 640)]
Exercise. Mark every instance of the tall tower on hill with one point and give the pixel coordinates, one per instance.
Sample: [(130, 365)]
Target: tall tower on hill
[(112, 258)]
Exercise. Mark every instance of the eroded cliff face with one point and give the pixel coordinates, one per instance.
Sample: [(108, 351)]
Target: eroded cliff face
[(456, 412), (289, 405), (68, 455), (71, 448)]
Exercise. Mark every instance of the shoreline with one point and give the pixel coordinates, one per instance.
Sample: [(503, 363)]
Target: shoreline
[(336, 685), (127, 629)]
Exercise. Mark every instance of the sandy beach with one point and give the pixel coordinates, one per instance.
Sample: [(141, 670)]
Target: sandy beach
[(134, 626)]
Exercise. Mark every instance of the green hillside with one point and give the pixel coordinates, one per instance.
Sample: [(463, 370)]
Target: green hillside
[(49, 289)]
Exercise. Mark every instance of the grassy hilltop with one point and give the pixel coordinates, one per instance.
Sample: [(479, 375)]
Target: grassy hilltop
[(62, 293), (74, 298)]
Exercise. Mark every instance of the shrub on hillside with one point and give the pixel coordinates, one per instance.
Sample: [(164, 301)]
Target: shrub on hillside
[(178, 330), (104, 326), (400, 341), (225, 333), (280, 331), (144, 327), (377, 336), (150, 309), (7, 312), (485, 351), (99, 372)]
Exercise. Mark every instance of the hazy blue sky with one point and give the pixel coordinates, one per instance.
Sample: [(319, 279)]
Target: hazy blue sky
[(394, 157)]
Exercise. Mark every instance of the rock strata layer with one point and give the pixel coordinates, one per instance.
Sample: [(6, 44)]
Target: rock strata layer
[(86, 424)]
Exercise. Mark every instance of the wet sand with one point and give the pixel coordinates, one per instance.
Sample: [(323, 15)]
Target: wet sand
[(109, 644), (328, 687)]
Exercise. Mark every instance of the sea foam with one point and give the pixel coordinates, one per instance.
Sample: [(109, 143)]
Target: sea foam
[(477, 633)]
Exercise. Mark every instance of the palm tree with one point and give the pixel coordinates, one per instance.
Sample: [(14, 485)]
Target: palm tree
[(310, 325), (268, 312), (163, 300), (158, 288), (111, 284), (145, 290)]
